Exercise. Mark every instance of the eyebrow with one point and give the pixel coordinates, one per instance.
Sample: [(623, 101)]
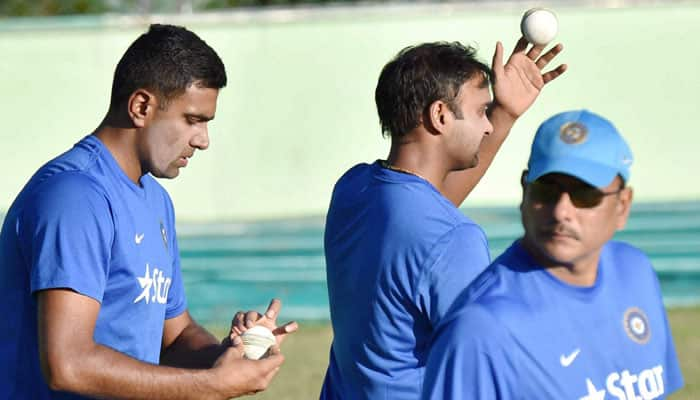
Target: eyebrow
[(200, 117)]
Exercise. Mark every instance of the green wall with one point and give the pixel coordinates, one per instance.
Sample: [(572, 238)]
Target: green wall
[(299, 109)]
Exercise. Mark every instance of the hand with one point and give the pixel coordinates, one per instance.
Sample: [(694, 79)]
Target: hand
[(234, 375), (518, 83), (243, 321)]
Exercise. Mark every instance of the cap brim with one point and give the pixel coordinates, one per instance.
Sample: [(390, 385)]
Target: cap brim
[(592, 173)]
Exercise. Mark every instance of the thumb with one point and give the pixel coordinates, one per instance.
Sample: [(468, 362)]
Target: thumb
[(272, 362), (497, 62), (236, 347)]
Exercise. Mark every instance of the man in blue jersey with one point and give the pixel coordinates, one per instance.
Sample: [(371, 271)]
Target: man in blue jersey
[(398, 251), (91, 292), (565, 312)]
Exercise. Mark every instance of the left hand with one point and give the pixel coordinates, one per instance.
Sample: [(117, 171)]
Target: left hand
[(518, 83), (243, 321)]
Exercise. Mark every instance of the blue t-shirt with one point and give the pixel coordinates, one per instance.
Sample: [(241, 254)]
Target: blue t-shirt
[(397, 255), (520, 333), (80, 223)]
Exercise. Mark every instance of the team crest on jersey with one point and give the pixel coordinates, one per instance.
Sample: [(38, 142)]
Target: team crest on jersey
[(573, 133), (636, 325), (164, 234)]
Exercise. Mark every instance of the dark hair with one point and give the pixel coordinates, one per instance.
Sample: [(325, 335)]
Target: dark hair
[(167, 60), (420, 75)]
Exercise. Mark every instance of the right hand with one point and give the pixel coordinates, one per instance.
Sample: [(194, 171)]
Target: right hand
[(243, 321), (234, 375)]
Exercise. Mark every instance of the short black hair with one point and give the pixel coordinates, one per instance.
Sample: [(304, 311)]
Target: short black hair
[(420, 75), (166, 60)]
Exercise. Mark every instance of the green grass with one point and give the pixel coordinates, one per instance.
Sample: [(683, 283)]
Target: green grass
[(306, 355)]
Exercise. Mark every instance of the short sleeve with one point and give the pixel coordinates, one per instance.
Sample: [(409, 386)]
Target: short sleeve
[(457, 258), (467, 360), (673, 374), (66, 233)]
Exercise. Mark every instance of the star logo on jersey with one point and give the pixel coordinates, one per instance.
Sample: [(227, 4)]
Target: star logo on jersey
[(154, 286), (624, 385), (593, 392), (566, 360), (138, 238), (146, 282), (636, 325)]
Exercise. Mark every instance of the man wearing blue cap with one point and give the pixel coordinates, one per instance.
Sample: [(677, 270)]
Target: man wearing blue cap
[(564, 313)]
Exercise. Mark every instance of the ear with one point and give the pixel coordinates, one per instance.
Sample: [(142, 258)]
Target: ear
[(623, 207), (141, 106), (523, 179), (438, 116), (523, 184)]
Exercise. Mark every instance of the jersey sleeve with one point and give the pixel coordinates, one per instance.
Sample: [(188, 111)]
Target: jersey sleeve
[(177, 301), (66, 233), (467, 359), (674, 376), (456, 259)]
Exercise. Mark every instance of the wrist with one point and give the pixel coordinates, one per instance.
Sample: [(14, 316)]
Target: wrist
[(501, 114)]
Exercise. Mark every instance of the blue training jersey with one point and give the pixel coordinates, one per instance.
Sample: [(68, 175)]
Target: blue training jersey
[(397, 253), (81, 224), (520, 333)]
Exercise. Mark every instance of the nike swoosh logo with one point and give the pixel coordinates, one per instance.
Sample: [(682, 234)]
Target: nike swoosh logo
[(567, 360), (138, 238)]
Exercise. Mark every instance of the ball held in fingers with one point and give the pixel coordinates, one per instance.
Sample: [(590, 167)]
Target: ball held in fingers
[(539, 26), (256, 341)]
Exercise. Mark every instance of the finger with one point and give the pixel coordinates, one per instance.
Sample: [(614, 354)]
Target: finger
[(521, 45), (274, 360), (236, 348), (273, 309), (273, 364), (251, 317), (497, 62), (238, 323), (549, 56), (535, 51), (274, 350), (289, 327), (555, 73)]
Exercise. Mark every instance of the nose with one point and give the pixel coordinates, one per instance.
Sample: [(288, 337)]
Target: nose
[(563, 208), (489, 127), (201, 139)]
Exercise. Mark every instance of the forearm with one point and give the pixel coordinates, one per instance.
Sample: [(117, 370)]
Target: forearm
[(101, 372), (195, 347), (458, 184)]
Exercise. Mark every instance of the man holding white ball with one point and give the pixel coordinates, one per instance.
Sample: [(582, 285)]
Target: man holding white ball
[(398, 250)]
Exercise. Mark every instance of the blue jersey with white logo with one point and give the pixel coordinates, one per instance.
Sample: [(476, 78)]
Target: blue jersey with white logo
[(398, 253), (81, 224), (520, 333)]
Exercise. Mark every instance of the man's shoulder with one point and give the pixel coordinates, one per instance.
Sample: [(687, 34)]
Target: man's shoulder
[(623, 251), (625, 257)]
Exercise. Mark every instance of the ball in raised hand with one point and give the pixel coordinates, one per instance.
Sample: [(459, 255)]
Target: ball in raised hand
[(539, 26)]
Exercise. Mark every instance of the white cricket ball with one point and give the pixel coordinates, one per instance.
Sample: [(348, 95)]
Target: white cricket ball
[(539, 26), (256, 341)]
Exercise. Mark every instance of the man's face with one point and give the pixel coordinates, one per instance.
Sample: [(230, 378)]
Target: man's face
[(469, 124), (558, 231), (171, 135)]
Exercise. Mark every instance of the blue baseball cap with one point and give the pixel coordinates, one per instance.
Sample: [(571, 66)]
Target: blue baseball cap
[(581, 144)]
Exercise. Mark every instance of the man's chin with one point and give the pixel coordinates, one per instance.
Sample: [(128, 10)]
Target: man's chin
[(170, 174)]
